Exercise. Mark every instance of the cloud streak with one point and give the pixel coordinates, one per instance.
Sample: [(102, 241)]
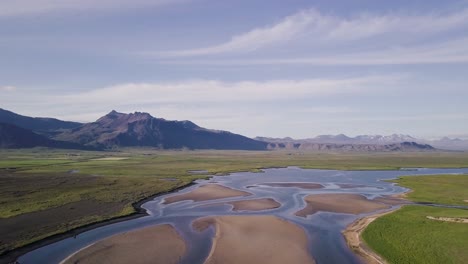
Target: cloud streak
[(28, 7), (314, 29), (8, 88)]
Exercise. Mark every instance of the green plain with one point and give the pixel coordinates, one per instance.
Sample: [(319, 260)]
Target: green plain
[(34, 182), (407, 236)]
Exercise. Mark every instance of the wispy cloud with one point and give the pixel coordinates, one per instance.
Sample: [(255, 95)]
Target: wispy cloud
[(314, 29), (218, 91), (26, 7), (7, 88), (209, 93), (455, 51)]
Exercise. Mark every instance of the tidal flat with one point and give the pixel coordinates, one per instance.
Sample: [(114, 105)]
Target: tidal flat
[(321, 228)]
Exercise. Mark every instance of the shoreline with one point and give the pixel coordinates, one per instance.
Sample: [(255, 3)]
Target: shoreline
[(352, 235), (13, 255)]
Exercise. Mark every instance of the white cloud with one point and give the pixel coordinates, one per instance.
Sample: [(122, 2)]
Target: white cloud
[(455, 51), (213, 91), (314, 29), (210, 95), (25, 7), (7, 88)]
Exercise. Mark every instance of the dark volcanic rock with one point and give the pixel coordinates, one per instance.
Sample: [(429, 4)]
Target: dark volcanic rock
[(141, 129), (12, 136), (37, 124)]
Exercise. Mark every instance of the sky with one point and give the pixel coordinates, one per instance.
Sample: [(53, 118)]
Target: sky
[(259, 68)]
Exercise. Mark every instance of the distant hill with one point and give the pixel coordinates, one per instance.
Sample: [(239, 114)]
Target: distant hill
[(12, 136), (141, 129), (403, 146), (37, 124), (443, 143)]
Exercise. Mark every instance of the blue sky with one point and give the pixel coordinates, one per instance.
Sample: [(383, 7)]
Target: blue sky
[(259, 68)]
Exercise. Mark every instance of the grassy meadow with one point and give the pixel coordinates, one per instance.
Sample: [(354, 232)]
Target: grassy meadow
[(408, 236), (59, 190)]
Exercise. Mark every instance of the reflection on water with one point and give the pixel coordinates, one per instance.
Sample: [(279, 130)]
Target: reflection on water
[(323, 229)]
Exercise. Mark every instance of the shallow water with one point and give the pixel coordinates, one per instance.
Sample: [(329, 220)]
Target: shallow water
[(326, 243)]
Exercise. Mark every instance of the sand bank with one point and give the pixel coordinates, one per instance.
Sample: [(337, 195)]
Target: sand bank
[(155, 244), (303, 185), (206, 192), (449, 219), (352, 235), (255, 205), (339, 203), (255, 239)]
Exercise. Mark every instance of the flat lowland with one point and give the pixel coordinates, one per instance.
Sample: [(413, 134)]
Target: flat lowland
[(409, 235), (255, 239), (155, 244), (60, 190)]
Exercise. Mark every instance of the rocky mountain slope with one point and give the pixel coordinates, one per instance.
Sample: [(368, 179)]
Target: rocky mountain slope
[(41, 125), (12, 136), (141, 129)]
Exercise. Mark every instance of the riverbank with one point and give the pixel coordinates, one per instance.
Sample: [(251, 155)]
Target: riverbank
[(12, 256), (352, 235)]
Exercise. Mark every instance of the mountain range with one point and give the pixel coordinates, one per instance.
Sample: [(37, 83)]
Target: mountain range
[(445, 143), (138, 129), (117, 130)]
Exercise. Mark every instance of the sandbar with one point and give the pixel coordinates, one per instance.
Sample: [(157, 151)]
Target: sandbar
[(352, 235), (339, 203), (302, 185), (155, 244), (207, 192), (255, 239), (255, 204), (449, 219)]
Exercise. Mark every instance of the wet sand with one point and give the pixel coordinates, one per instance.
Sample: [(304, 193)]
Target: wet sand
[(255, 239), (206, 192), (339, 203), (302, 185), (255, 205), (449, 219), (352, 235), (155, 244)]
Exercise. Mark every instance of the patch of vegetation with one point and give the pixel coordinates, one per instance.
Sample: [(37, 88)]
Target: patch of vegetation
[(408, 236), (440, 189)]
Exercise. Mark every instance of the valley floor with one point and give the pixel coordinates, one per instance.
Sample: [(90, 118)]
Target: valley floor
[(60, 190)]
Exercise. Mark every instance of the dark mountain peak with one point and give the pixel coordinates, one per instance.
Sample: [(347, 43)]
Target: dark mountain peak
[(37, 124), (117, 118), (141, 129)]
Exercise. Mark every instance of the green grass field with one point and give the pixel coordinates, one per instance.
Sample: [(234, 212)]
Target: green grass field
[(81, 188), (407, 236)]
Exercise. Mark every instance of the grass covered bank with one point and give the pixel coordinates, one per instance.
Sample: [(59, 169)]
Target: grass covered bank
[(408, 236)]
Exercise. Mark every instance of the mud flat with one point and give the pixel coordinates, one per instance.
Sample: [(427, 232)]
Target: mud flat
[(302, 185), (255, 239), (205, 193), (155, 244), (339, 203), (255, 204)]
